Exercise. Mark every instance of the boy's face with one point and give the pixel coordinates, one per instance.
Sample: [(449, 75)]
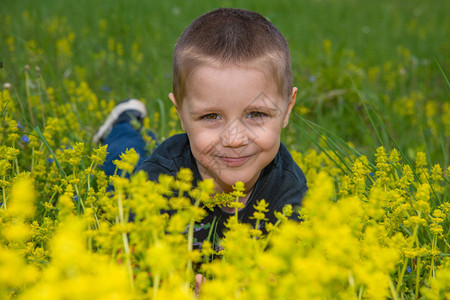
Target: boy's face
[(233, 116)]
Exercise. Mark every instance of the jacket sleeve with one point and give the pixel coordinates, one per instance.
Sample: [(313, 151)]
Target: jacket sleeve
[(293, 186), (293, 196), (154, 168)]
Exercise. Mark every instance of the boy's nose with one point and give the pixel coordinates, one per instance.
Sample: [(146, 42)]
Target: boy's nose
[(234, 136)]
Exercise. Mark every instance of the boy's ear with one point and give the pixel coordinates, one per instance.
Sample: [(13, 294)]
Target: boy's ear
[(290, 106), (174, 101)]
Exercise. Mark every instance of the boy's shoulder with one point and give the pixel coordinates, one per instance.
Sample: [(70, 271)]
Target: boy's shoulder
[(173, 147), (171, 155), (291, 184), (289, 167), (282, 181)]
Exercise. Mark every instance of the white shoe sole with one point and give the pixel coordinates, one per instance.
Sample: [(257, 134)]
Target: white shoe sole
[(132, 104)]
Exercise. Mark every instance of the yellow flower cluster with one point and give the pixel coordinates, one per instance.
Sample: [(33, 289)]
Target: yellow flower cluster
[(371, 227), (363, 232)]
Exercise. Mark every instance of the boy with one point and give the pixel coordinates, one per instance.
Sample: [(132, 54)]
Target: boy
[(233, 91)]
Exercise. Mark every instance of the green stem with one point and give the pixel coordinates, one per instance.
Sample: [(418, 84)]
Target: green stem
[(124, 236), (256, 227), (91, 167), (400, 278), (360, 294), (4, 192), (163, 118), (16, 162), (393, 291), (418, 269), (79, 197), (191, 235), (419, 262), (41, 103), (270, 234), (41, 136), (433, 247), (236, 209), (156, 281), (53, 196), (32, 160), (89, 176), (27, 86), (211, 230)]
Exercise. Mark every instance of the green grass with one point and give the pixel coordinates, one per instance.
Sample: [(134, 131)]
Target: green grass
[(365, 36)]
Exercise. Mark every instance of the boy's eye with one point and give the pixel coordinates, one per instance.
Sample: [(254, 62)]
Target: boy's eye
[(256, 114), (211, 116)]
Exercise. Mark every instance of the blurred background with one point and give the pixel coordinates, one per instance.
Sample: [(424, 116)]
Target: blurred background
[(369, 73)]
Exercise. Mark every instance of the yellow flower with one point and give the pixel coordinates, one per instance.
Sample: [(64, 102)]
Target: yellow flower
[(65, 203), (16, 273), (22, 199), (421, 160), (207, 186), (128, 160), (18, 232), (238, 189), (327, 46), (99, 155), (185, 174)]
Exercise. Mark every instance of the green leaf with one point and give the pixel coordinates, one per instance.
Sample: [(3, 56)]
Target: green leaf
[(41, 136)]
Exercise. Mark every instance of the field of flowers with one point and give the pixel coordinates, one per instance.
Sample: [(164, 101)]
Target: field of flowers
[(371, 130)]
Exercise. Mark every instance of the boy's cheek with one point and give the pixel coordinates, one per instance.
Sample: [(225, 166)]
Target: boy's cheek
[(269, 131), (203, 143)]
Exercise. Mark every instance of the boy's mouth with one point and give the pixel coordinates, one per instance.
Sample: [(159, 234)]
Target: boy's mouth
[(234, 161)]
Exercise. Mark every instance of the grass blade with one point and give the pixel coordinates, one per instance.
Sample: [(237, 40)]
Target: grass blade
[(331, 145), (369, 107), (41, 136), (163, 119), (4, 109), (442, 71), (334, 142)]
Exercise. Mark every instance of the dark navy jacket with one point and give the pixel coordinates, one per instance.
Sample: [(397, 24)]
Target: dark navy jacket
[(281, 182)]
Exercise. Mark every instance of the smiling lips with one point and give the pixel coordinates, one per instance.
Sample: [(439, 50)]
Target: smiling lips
[(234, 161)]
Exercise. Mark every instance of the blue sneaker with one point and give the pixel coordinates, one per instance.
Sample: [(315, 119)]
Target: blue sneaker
[(125, 111)]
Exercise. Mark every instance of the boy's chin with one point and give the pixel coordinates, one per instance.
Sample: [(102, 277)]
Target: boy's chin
[(229, 178)]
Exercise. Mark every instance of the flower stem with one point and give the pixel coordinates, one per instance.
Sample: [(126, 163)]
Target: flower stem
[(191, 235), (156, 281), (125, 237), (236, 209), (418, 269), (400, 278), (393, 291), (27, 88), (4, 193)]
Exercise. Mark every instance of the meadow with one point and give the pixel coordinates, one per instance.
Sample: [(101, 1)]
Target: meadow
[(371, 130)]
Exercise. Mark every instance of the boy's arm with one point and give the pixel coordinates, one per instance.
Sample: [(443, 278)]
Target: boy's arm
[(293, 185), (168, 158), (155, 168), (293, 197)]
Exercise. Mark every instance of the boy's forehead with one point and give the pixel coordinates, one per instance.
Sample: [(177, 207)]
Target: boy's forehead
[(265, 101), (229, 76), (213, 70), (254, 65)]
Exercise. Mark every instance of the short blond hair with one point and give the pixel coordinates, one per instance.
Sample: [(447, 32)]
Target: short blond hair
[(231, 36)]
